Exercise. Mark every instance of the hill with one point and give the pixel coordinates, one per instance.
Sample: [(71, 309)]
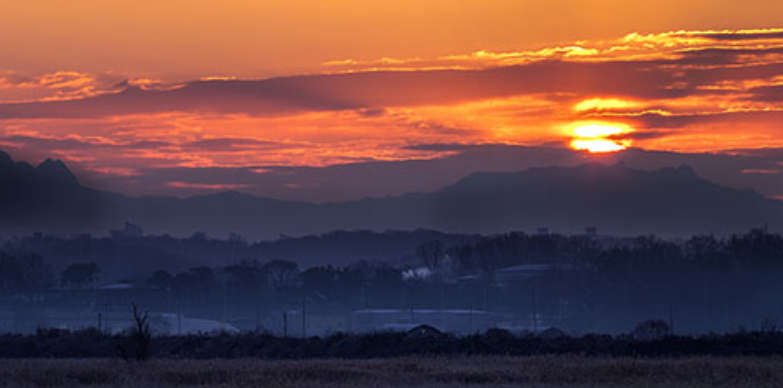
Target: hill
[(614, 198)]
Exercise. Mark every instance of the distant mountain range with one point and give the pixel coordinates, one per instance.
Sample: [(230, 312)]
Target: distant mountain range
[(613, 198)]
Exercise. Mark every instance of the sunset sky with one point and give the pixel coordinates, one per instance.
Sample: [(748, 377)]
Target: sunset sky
[(184, 97)]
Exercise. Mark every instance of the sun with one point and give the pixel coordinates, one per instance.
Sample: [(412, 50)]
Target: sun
[(599, 137), (597, 146)]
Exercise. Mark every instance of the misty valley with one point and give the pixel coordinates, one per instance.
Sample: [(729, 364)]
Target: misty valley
[(364, 282), (386, 194)]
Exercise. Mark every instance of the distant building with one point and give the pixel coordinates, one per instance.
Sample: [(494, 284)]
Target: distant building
[(423, 331), (524, 272), (129, 230), (176, 324), (450, 320)]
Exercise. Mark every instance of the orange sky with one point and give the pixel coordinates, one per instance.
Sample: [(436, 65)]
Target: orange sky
[(187, 39), (108, 86)]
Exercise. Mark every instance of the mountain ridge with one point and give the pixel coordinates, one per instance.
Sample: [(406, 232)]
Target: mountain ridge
[(614, 198)]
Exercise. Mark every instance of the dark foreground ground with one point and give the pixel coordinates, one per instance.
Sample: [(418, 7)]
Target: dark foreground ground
[(91, 343), (437, 372)]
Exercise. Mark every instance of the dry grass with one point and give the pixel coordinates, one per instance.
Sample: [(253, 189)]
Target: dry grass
[(454, 372)]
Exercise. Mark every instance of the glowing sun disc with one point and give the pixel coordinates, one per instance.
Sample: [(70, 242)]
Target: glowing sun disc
[(597, 145), (599, 137), (598, 131)]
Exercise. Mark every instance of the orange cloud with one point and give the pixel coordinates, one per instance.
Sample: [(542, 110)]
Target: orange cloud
[(634, 46), (64, 85), (686, 91), (59, 85), (206, 186)]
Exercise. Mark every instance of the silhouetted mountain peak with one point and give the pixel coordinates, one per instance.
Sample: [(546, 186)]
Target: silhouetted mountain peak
[(546, 175), (10, 167), (682, 171), (685, 169), (5, 160), (232, 194), (588, 170), (56, 171), (227, 195), (614, 198)]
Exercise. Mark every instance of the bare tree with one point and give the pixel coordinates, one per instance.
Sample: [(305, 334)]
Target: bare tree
[(140, 337), (432, 254), (281, 273)]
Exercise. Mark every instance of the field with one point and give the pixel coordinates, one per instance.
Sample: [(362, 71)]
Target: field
[(450, 372)]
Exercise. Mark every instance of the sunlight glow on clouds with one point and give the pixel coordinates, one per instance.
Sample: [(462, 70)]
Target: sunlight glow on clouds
[(600, 137), (598, 130), (60, 85), (597, 146), (684, 91), (634, 46), (601, 104)]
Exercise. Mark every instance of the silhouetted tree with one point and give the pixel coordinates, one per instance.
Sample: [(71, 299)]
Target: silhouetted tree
[(140, 337), (320, 279), (653, 329), (245, 279), (161, 279), (80, 275), (758, 249), (432, 255), (281, 273), (24, 274), (197, 285)]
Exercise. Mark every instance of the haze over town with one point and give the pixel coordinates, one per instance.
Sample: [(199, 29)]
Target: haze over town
[(335, 192)]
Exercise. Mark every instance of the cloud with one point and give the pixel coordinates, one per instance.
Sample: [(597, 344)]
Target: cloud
[(442, 147), (761, 34), (771, 93), (229, 144), (684, 91), (693, 73), (760, 171), (632, 47), (17, 87), (680, 121), (206, 186), (61, 85), (363, 91)]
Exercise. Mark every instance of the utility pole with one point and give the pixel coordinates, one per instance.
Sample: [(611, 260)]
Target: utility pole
[(484, 296), (285, 323), (442, 305), (304, 317), (470, 318), (535, 313), (410, 302), (258, 316), (365, 303), (180, 309)]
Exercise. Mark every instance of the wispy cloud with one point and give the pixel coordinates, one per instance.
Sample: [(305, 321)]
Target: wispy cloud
[(16, 87), (632, 47), (684, 91)]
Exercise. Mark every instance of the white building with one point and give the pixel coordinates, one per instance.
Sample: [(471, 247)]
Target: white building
[(447, 320)]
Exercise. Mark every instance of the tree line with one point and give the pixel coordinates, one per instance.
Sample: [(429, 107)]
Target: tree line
[(703, 282)]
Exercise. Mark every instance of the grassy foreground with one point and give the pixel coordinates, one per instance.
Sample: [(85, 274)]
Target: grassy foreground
[(436, 372)]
